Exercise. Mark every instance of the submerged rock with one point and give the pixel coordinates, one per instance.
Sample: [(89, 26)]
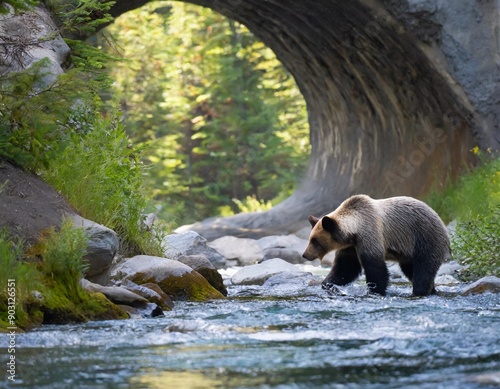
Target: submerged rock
[(150, 310), (258, 274), (489, 379), (486, 284), (176, 279)]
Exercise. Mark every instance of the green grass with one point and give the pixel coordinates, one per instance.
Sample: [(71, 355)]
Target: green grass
[(26, 278), (101, 176), (47, 289), (474, 202), (62, 254)]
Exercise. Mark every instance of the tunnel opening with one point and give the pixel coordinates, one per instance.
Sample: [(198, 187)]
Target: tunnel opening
[(383, 119), (224, 123)]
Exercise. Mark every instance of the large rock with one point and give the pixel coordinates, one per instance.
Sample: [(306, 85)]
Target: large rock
[(202, 265), (258, 274), (292, 242), (191, 243), (287, 247), (27, 37), (103, 244), (177, 280), (245, 251)]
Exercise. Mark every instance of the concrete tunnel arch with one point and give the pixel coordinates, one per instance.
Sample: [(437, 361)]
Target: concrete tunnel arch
[(384, 120)]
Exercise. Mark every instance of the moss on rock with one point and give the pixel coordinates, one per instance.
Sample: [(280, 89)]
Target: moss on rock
[(190, 286)]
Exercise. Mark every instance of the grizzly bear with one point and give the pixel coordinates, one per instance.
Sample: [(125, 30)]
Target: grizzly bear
[(366, 232)]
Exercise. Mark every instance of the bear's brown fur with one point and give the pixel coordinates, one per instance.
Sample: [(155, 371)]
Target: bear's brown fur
[(365, 232)]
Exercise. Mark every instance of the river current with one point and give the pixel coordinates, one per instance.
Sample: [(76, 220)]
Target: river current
[(288, 336)]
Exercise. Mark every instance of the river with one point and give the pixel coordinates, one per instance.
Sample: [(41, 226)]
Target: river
[(285, 337)]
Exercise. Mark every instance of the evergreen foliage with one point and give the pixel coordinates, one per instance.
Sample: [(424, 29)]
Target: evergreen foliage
[(17, 5), (81, 18), (36, 118), (222, 117)]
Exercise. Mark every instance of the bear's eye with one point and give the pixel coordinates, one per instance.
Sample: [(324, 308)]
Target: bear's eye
[(316, 244)]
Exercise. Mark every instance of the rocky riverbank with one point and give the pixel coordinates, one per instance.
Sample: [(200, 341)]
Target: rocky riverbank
[(190, 269)]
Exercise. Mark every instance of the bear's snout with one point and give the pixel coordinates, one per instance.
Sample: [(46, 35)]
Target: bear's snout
[(309, 255)]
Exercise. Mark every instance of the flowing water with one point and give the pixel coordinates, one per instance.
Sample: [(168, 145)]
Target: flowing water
[(289, 336)]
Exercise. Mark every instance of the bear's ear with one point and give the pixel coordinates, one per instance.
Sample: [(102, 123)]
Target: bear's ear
[(329, 224), (313, 220)]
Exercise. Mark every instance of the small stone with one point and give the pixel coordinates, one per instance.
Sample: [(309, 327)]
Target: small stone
[(260, 273)]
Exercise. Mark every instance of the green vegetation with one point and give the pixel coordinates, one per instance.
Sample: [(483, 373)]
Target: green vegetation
[(202, 99), (80, 17), (210, 123), (100, 174), (26, 277), (47, 286), (62, 255), (223, 120), (17, 5), (474, 202), (36, 116)]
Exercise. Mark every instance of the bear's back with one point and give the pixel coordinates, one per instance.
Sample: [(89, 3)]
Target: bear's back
[(408, 222)]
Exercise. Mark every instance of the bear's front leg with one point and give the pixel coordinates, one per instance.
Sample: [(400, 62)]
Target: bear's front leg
[(377, 275), (346, 268)]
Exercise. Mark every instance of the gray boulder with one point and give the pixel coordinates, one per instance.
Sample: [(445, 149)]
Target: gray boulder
[(288, 255), (151, 292), (291, 242), (191, 243), (202, 265), (287, 247), (258, 274), (245, 251), (177, 280), (116, 294), (103, 244), (29, 37)]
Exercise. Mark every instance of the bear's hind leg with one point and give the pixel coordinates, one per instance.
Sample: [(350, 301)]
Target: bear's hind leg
[(425, 269), (346, 268)]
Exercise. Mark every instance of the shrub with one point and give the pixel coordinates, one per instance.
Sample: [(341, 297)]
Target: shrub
[(476, 244), (101, 176), (249, 204), (474, 202)]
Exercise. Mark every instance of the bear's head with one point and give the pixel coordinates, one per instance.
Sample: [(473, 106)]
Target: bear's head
[(325, 236)]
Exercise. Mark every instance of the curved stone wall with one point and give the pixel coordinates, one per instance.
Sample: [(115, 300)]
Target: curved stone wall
[(398, 92)]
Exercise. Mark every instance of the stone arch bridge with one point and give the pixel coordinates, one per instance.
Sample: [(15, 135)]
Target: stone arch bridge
[(397, 91)]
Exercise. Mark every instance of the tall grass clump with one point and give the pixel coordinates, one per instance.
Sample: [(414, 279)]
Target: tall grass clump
[(25, 276), (100, 174), (62, 254), (474, 203)]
